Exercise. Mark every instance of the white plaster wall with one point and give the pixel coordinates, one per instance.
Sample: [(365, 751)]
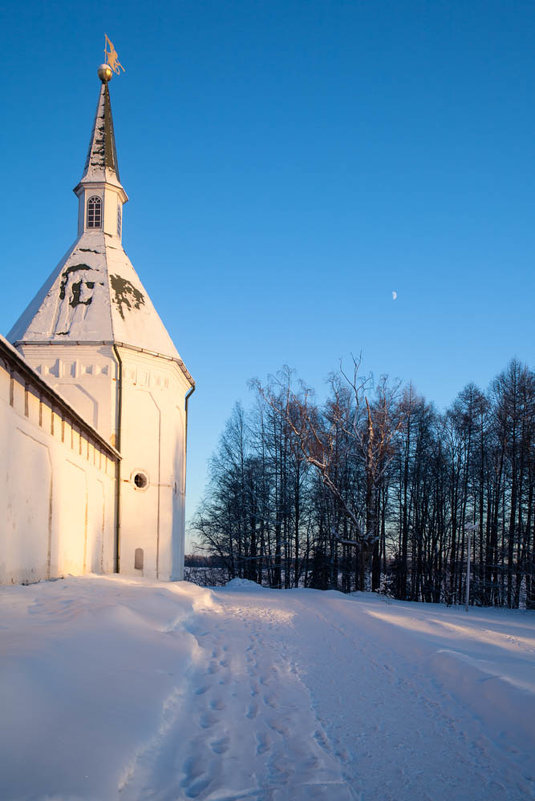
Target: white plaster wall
[(57, 492), (85, 375), (152, 441), (26, 524)]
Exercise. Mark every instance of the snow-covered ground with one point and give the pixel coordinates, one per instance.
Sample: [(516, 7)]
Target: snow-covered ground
[(131, 690)]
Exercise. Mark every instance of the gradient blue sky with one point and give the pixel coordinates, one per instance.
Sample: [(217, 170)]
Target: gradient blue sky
[(290, 165)]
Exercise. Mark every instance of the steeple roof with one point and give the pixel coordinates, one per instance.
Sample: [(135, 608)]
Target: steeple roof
[(94, 295), (101, 164), (102, 153)]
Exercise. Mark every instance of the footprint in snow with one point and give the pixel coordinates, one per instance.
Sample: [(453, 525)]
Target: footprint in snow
[(220, 746), (207, 720), (270, 701), (198, 786), (279, 727), (193, 768), (321, 740), (263, 743)]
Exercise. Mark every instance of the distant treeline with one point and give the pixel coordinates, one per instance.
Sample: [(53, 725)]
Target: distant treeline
[(205, 570), (374, 489), (203, 561)]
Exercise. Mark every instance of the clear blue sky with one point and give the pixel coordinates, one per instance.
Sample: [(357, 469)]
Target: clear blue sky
[(289, 166)]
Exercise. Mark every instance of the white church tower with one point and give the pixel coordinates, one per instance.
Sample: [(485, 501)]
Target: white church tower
[(94, 335)]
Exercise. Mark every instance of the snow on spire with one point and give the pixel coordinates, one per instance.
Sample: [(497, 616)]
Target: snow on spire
[(101, 163)]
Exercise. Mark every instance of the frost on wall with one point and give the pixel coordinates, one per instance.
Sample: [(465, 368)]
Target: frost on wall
[(125, 294)]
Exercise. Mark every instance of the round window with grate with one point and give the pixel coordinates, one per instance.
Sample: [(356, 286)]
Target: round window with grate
[(140, 480)]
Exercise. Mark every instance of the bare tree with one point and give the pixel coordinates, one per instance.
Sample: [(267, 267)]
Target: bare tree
[(349, 428)]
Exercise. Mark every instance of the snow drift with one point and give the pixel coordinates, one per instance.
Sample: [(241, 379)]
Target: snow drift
[(113, 688)]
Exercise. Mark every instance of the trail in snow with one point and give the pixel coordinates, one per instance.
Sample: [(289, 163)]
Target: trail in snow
[(127, 690), (246, 727)]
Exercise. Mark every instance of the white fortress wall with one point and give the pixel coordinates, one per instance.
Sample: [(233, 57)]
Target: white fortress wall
[(57, 479)]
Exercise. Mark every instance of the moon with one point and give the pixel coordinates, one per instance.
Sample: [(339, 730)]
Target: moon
[(394, 295)]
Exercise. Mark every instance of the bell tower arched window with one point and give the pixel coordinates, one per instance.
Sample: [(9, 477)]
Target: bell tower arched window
[(94, 212)]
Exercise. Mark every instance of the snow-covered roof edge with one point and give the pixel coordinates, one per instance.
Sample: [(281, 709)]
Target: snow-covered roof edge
[(23, 321)]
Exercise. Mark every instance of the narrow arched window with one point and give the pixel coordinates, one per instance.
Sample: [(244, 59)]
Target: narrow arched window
[(119, 220), (94, 212)]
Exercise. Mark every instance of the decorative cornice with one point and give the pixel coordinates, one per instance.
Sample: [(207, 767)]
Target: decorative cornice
[(99, 342)]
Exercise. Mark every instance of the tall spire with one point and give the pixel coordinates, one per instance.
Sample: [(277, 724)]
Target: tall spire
[(102, 153), (101, 164)]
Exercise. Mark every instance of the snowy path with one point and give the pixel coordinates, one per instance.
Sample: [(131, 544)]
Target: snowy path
[(132, 691), (249, 720)]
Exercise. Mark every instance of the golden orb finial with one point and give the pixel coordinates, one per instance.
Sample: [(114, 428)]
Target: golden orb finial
[(105, 73)]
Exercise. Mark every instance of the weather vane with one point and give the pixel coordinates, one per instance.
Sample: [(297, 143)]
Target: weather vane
[(111, 57)]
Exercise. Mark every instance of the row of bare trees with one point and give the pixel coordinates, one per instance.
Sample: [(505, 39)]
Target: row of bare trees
[(374, 489)]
